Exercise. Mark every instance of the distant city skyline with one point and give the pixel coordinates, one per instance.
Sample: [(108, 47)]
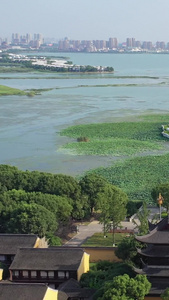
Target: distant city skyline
[(37, 41), (129, 41), (87, 20)]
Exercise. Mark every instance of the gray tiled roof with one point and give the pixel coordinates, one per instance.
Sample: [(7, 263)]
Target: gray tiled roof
[(154, 271), (26, 291), (10, 243), (159, 235), (61, 296), (155, 251), (47, 259), (73, 289), (9, 291)]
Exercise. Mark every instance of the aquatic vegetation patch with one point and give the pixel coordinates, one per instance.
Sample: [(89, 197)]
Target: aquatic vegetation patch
[(113, 147), (142, 130), (138, 176), (116, 139)]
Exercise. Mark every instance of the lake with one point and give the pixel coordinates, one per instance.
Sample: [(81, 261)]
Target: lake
[(30, 127)]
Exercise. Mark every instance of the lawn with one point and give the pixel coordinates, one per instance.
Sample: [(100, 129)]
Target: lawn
[(98, 240)]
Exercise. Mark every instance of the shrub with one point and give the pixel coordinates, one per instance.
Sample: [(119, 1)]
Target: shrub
[(83, 139)]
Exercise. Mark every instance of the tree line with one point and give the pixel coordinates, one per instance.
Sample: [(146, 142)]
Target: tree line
[(39, 202)]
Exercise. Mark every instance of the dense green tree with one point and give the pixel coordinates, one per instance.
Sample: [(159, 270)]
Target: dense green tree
[(28, 180), (105, 217), (60, 206), (59, 184), (126, 249), (53, 240), (31, 218), (112, 202), (2, 189), (165, 294), (104, 271), (56, 184), (81, 209), (124, 287), (132, 207), (91, 185), (7, 176)]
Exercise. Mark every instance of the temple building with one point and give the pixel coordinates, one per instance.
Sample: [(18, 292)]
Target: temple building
[(155, 257)]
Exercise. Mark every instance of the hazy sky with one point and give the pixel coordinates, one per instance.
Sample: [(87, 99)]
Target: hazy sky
[(87, 19)]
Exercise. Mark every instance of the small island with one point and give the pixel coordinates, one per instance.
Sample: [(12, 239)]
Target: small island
[(46, 64)]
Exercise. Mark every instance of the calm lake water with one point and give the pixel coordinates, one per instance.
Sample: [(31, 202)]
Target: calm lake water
[(29, 127)]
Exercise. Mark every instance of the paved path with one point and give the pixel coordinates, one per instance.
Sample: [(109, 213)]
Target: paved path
[(86, 231)]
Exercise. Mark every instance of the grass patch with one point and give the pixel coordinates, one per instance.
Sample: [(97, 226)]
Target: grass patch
[(98, 240), (6, 91)]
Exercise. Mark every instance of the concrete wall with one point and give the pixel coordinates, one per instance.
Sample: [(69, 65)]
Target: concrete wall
[(51, 294), (1, 274), (102, 253), (84, 266)]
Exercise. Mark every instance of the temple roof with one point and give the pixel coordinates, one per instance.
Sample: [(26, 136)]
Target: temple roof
[(159, 235), (155, 251), (154, 271)]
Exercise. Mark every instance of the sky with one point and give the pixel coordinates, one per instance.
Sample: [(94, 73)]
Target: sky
[(145, 20)]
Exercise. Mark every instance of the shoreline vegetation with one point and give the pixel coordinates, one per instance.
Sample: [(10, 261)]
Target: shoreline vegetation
[(22, 63), (8, 91), (103, 76), (139, 168)]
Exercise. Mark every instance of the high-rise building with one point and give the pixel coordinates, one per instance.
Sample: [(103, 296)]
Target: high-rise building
[(15, 38), (162, 45), (102, 44), (113, 43), (97, 44), (28, 37), (130, 42), (149, 45), (138, 44), (144, 45)]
